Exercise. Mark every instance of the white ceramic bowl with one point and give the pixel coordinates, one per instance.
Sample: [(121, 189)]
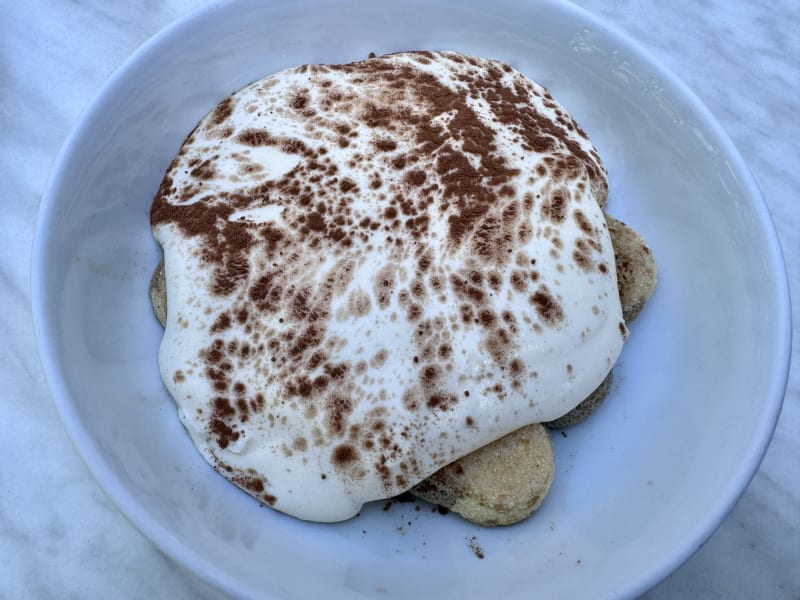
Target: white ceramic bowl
[(638, 488)]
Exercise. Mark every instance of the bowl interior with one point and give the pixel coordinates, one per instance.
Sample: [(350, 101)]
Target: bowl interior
[(638, 487)]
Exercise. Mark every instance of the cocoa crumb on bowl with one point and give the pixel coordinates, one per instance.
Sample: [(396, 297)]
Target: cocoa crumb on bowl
[(474, 546)]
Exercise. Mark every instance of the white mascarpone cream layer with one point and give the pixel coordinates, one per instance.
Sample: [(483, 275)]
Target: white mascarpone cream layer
[(374, 269)]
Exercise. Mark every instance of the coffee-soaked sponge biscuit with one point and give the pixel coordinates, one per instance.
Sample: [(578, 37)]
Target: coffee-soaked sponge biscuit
[(636, 268), (499, 484), (158, 293)]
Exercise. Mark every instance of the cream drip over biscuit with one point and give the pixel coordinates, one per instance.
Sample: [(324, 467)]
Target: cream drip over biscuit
[(376, 268)]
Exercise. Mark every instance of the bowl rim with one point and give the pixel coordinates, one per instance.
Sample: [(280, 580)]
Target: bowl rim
[(206, 570)]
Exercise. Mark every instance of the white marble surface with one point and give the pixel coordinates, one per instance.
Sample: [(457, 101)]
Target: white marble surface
[(60, 536)]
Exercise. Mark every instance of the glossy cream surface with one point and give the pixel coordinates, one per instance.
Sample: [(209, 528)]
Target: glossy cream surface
[(374, 269)]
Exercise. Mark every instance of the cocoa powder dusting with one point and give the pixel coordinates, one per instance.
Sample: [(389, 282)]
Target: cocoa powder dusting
[(222, 112), (343, 456), (439, 188), (547, 306)]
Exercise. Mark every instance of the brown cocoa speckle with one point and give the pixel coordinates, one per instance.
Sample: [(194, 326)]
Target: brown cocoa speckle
[(344, 455), (415, 178), (554, 208), (224, 433), (441, 401), (250, 483), (583, 222), (315, 222), (385, 145), (519, 280), (299, 101), (223, 110), (410, 400), (222, 323), (338, 408), (547, 306), (384, 285)]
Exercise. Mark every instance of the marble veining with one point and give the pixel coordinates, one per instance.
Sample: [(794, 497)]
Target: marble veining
[(60, 536)]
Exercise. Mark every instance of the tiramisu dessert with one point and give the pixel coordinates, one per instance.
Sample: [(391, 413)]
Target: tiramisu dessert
[(376, 270)]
